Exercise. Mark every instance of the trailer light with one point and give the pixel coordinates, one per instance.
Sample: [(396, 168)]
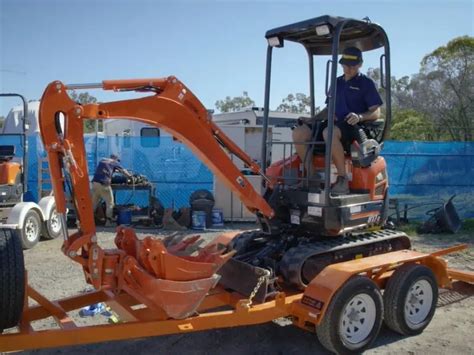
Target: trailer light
[(323, 30), (275, 42)]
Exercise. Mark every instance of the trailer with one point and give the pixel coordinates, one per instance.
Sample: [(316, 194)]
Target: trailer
[(344, 292)]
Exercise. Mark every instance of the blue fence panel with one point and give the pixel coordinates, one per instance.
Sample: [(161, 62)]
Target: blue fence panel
[(431, 172), (168, 164), (419, 172)]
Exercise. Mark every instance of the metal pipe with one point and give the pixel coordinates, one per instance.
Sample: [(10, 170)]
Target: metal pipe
[(331, 111), (64, 226), (388, 89), (84, 86), (266, 108), (311, 83)]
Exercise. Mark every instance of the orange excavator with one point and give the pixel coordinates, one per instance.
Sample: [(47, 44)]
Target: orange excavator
[(314, 258)]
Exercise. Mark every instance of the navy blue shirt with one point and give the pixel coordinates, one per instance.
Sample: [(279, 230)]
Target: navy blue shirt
[(104, 171), (355, 95)]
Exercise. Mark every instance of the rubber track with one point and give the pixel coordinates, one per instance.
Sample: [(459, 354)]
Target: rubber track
[(293, 260), (12, 279)]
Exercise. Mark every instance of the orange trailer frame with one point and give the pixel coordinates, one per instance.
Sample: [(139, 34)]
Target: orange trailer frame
[(143, 322)]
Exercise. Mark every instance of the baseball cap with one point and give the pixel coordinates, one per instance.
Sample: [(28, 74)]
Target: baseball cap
[(351, 56), (114, 157)]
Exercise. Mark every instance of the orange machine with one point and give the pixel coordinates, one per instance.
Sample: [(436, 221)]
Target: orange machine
[(9, 172), (298, 265)]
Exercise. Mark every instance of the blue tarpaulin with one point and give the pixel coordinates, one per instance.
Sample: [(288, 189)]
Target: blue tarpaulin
[(430, 172), (419, 172)]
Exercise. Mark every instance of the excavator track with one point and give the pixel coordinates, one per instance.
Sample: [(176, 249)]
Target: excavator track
[(300, 264), (298, 260)]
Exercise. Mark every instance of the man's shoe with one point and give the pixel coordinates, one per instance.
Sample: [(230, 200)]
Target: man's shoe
[(341, 186)]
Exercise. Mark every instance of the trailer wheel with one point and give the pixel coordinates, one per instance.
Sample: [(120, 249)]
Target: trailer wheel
[(12, 279), (353, 318), (31, 231), (410, 299), (52, 225)]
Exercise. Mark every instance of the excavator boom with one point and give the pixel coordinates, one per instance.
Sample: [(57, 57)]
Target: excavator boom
[(173, 107)]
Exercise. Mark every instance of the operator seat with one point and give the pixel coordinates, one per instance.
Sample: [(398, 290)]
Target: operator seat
[(363, 150)]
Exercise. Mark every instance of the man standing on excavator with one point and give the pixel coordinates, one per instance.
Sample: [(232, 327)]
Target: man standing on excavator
[(357, 100), (101, 185)]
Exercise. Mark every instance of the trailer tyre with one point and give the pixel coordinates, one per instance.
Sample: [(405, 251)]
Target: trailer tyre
[(12, 279), (353, 318), (410, 299), (52, 225), (31, 231)]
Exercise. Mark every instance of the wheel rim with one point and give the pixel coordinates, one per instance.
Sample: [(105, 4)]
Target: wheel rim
[(31, 229), (54, 222), (418, 303), (358, 319)]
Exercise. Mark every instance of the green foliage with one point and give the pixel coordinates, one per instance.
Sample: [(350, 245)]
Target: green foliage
[(438, 102), (297, 103), (85, 98), (2, 120), (82, 98), (235, 103), (443, 89), (409, 125), (468, 225)]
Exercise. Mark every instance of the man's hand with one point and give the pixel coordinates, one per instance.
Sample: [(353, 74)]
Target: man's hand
[(353, 118)]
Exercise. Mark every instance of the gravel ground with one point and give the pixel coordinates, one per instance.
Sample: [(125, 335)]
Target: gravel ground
[(55, 276)]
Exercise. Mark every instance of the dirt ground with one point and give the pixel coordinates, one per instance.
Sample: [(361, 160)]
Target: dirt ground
[(55, 276)]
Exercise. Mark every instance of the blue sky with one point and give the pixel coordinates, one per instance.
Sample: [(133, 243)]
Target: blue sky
[(217, 48)]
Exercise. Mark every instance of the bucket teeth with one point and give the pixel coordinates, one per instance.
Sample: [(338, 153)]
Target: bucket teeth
[(187, 245)]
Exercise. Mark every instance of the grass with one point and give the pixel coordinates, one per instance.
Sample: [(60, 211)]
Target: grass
[(468, 225)]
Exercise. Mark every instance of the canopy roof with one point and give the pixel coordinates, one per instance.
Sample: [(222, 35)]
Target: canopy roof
[(361, 34)]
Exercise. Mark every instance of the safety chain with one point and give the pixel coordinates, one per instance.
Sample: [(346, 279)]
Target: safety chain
[(261, 279)]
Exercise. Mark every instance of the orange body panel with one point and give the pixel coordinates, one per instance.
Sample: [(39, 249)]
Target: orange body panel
[(373, 179), (8, 172)]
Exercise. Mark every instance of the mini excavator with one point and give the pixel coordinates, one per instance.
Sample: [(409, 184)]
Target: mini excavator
[(308, 238), (303, 227)]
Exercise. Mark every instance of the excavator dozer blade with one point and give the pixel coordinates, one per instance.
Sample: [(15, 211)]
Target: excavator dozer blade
[(243, 278)]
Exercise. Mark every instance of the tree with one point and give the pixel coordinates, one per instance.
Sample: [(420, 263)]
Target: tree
[(2, 120), (443, 89), (85, 98), (410, 125), (297, 103), (235, 104)]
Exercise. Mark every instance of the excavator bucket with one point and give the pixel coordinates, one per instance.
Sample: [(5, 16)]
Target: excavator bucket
[(178, 299), (160, 262), (171, 267)]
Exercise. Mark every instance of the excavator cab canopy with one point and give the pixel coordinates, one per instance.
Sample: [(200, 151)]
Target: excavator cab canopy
[(328, 36), (317, 34)]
